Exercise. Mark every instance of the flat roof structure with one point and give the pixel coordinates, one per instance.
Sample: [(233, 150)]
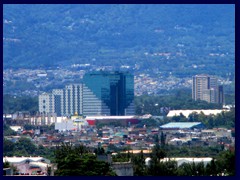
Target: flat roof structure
[(110, 117), (181, 160), (22, 159), (186, 113), (182, 125)]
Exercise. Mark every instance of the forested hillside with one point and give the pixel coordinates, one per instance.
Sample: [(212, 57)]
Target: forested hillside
[(181, 39)]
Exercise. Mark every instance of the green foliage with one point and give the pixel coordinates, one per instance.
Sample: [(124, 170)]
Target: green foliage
[(229, 98), (121, 34), (192, 169), (12, 104), (25, 147), (192, 151), (8, 147), (99, 151), (224, 119), (79, 161), (181, 99), (7, 131), (226, 161), (223, 164), (148, 123), (6, 164), (139, 166), (121, 157)]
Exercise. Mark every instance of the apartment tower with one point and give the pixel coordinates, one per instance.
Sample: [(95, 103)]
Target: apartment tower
[(206, 88)]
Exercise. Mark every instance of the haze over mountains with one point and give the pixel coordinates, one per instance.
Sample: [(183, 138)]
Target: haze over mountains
[(182, 39)]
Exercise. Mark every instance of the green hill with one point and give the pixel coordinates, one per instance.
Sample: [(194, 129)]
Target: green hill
[(182, 39)]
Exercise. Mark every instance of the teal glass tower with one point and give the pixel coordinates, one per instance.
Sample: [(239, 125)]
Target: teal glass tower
[(108, 93)]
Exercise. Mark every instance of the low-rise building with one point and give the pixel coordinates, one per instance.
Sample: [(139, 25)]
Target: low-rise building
[(29, 165), (182, 126)]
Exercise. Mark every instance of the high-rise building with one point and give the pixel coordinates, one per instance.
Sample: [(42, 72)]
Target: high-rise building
[(108, 93), (206, 88), (220, 97), (63, 102), (45, 102), (101, 93)]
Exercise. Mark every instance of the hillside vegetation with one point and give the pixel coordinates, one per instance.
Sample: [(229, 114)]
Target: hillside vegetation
[(181, 39)]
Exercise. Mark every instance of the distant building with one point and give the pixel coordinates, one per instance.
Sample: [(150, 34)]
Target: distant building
[(101, 93), (206, 88), (123, 120), (181, 160), (186, 113), (108, 93), (65, 101), (29, 165), (182, 125)]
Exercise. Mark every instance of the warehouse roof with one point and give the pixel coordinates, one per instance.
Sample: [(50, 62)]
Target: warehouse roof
[(109, 117), (187, 112), (181, 125), (22, 159)]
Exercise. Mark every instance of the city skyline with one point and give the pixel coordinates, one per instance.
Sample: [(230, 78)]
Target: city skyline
[(100, 93), (119, 89)]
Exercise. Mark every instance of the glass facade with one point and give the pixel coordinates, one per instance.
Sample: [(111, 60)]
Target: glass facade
[(114, 90)]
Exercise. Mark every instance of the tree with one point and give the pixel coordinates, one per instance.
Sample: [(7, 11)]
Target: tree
[(8, 147), (11, 104), (99, 151), (25, 146), (8, 165), (163, 139), (139, 167), (79, 161), (211, 168), (7, 131), (157, 154), (226, 163), (184, 169)]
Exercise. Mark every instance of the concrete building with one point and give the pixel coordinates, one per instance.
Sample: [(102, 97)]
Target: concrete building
[(46, 101), (65, 101), (206, 88), (29, 165)]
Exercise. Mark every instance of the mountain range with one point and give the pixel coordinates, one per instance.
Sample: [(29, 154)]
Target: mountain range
[(178, 38)]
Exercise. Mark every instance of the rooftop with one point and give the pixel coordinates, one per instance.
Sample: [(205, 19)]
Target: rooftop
[(186, 113), (180, 125)]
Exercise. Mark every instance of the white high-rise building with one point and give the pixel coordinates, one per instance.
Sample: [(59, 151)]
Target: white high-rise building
[(63, 102), (46, 103)]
